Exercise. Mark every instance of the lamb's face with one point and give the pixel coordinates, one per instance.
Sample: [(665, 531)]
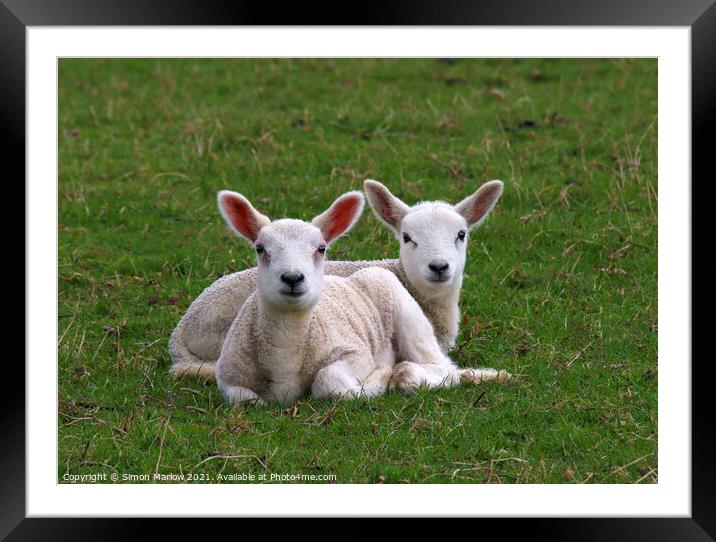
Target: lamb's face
[(433, 235), (290, 253), (290, 256), (433, 239)]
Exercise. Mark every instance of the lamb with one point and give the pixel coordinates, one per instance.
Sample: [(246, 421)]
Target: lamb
[(338, 337), (433, 239)]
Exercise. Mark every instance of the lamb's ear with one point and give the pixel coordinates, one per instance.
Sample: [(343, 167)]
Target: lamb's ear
[(240, 215), (385, 205), (475, 208), (340, 217)]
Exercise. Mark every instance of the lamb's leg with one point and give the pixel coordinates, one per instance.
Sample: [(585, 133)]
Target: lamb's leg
[(480, 375), (376, 383), (184, 362), (240, 395), (352, 376), (236, 373), (408, 376), (427, 365), (195, 345)]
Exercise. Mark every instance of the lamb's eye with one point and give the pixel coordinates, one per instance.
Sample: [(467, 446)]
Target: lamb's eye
[(406, 238), (322, 249), (461, 235), (259, 248)]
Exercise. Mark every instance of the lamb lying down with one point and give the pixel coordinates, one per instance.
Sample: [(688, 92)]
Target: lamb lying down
[(433, 240), (338, 337)]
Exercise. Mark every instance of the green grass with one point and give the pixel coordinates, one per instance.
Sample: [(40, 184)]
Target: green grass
[(561, 285)]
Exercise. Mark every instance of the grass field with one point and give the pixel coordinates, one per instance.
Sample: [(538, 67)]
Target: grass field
[(561, 284)]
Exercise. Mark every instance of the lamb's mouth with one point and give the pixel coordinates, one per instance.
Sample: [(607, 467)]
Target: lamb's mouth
[(441, 278), (293, 293)]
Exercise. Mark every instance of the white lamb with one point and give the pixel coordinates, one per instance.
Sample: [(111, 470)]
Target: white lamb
[(339, 337), (433, 239)]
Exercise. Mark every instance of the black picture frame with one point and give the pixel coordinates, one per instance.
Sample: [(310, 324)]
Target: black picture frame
[(699, 15)]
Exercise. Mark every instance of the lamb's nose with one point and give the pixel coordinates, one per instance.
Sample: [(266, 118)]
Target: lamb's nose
[(292, 279), (438, 266)]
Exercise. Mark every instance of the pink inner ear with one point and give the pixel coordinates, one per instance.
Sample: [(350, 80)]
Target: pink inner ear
[(482, 204), (340, 217), (385, 207), (241, 217)]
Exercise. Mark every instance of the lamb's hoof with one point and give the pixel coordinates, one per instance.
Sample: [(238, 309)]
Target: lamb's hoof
[(478, 376), (405, 378)]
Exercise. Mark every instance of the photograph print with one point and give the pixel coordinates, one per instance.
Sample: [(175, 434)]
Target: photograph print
[(357, 271)]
